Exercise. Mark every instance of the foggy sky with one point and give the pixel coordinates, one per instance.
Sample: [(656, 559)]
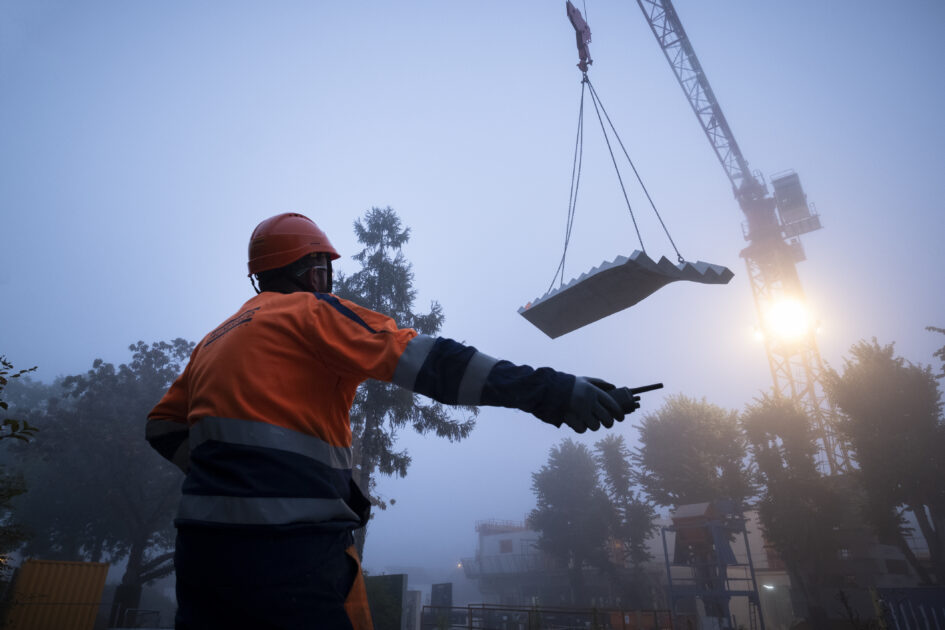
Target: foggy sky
[(140, 143)]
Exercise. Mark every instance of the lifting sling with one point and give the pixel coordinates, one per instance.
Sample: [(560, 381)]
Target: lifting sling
[(619, 284)]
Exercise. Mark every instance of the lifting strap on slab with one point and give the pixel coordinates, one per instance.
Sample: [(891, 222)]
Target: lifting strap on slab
[(576, 177), (597, 102), (575, 184), (597, 108)]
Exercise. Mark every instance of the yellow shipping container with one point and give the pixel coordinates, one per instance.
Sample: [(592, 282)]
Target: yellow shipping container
[(54, 595)]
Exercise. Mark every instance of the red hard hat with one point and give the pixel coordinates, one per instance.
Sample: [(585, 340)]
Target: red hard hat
[(283, 239)]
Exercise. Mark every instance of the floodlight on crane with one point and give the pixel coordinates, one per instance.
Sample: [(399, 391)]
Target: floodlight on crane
[(788, 319)]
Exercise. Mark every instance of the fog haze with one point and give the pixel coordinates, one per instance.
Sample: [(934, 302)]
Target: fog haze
[(140, 143)]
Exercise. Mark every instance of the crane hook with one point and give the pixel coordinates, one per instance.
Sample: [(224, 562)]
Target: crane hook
[(583, 34)]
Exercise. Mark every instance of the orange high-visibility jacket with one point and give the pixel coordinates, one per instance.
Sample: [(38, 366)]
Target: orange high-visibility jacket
[(259, 417)]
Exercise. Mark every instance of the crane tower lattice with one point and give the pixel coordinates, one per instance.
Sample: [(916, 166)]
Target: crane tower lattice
[(773, 225)]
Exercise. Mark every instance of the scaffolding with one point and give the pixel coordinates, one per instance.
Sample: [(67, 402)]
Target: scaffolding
[(705, 565)]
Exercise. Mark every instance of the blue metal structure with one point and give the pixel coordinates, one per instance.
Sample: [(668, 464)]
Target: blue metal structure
[(706, 567)]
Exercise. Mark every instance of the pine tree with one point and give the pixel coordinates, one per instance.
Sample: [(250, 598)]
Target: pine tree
[(940, 353), (385, 284)]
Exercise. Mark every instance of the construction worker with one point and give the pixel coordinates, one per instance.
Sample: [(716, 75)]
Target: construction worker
[(258, 420)]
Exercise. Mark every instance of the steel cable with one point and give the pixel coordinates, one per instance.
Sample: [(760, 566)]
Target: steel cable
[(597, 100), (575, 184)]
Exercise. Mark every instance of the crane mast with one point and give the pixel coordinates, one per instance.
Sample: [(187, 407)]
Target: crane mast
[(772, 226)]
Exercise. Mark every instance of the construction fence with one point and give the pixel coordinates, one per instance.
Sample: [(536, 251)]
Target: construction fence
[(495, 617), (53, 615), (920, 608)]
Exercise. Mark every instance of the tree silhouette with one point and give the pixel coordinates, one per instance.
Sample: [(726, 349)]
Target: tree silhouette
[(633, 517), (12, 533), (10, 427), (799, 509), (98, 490), (692, 452), (572, 513), (893, 420)]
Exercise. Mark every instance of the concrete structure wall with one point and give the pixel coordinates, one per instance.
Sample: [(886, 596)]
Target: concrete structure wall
[(521, 542)]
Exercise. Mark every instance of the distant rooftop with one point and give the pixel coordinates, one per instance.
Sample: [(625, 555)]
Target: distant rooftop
[(493, 526)]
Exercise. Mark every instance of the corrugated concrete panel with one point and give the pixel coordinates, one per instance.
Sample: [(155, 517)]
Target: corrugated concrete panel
[(612, 287), (53, 595)]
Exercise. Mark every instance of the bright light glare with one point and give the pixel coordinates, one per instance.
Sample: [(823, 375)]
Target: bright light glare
[(769, 587), (788, 320)]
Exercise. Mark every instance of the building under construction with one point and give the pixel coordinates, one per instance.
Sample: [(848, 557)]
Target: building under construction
[(708, 568)]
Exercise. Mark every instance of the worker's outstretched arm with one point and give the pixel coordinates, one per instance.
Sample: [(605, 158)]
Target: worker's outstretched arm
[(457, 374)]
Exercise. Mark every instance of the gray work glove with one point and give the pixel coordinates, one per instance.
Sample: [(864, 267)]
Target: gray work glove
[(624, 398), (591, 406), (627, 401)]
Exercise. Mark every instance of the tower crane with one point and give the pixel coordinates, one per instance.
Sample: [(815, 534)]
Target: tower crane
[(772, 227)]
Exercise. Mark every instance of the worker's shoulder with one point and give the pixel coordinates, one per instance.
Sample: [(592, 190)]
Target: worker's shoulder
[(369, 319), (304, 304), (272, 300), (280, 303), (352, 310)]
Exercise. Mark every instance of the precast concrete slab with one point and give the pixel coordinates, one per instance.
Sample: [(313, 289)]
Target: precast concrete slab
[(612, 287)]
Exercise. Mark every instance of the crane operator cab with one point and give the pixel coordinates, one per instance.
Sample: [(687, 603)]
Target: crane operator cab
[(620, 283)]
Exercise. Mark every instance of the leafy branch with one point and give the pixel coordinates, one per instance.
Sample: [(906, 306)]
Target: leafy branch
[(11, 428), (940, 353)]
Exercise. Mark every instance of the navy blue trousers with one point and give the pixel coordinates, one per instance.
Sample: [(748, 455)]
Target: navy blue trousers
[(262, 579)]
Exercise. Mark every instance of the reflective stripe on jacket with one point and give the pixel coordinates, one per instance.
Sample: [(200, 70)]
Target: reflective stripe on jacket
[(259, 417), (245, 472)]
